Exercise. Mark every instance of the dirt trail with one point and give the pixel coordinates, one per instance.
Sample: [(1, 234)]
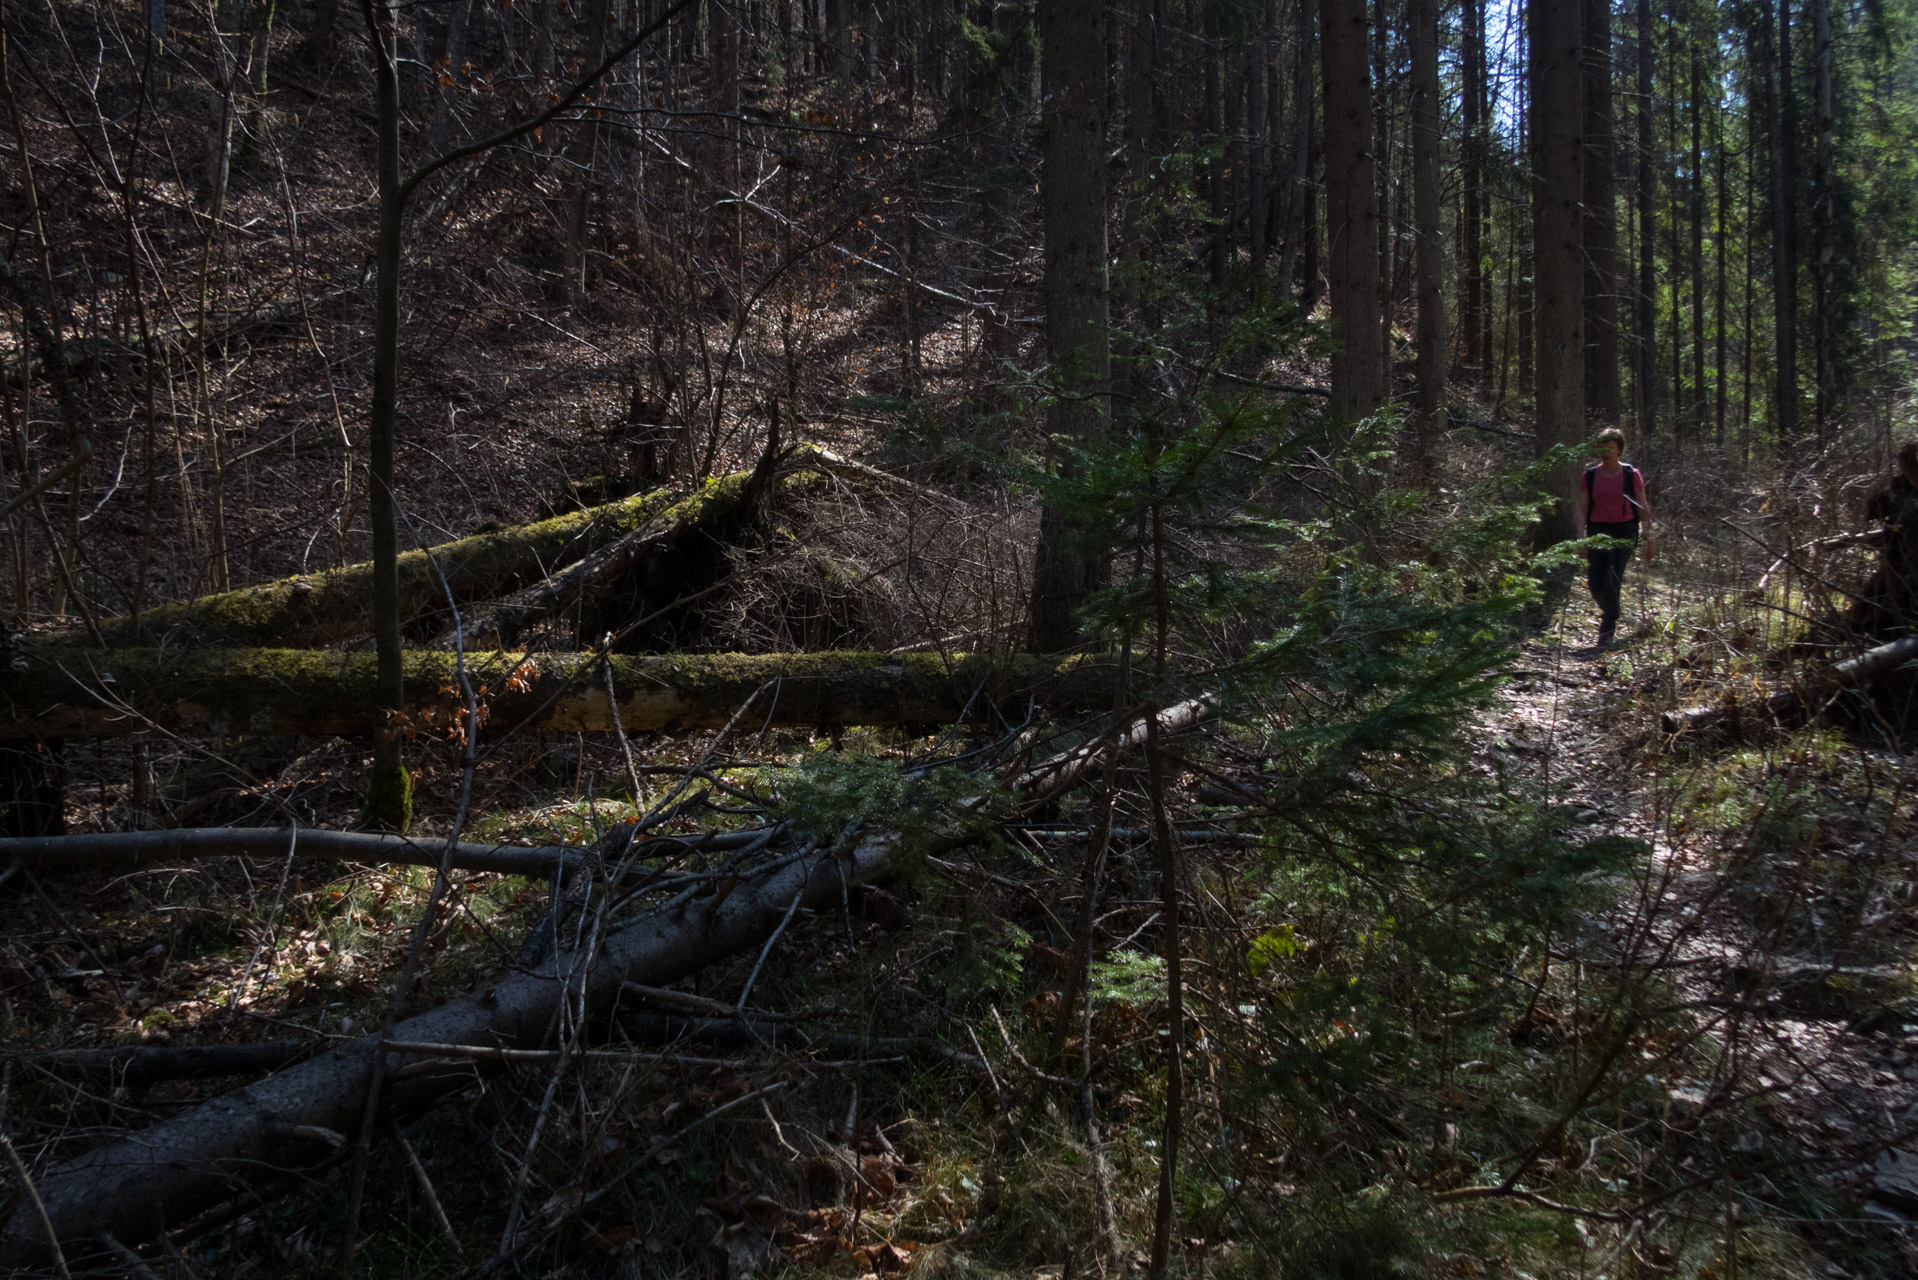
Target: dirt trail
[(1816, 1066)]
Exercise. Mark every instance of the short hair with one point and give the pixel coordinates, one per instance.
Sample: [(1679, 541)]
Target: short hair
[(1611, 435)]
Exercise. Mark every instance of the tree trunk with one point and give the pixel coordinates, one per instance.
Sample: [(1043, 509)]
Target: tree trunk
[(1475, 302), (223, 692), (311, 610), (1603, 395), (389, 798), (1781, 123), (1255, 158), (1066, 570), (1428, 220), (1558, 255), (1646, 297), (125, 850), (1722, 283), (1700, 393), (1824, 226), (293, 1121), (1351, 211)]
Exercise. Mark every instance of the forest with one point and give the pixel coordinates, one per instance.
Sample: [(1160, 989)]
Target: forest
[(958, 638)]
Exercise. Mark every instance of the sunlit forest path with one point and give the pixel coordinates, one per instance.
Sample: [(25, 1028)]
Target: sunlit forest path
[(1812, 1035)]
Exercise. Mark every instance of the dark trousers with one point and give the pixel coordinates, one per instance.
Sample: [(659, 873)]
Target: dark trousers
[(1605, 570)]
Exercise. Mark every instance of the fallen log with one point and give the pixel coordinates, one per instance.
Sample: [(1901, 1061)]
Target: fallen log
[(336, 605), (122, 850), (144, 1064), (135, 1187), (1804, 697), (69, 692)]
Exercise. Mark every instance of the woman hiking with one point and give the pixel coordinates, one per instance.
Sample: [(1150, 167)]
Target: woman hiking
[(1611, 502)]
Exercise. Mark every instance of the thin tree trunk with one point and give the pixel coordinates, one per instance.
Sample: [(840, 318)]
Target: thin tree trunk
[(1558, 181), (1255, 158), (1700, 392), (1782, 124), (1647, 298), (1824, 225), (389, 800), (1066, 571), (1603, 396), (1351, 210), (1721, 284), (1428, 220), (1475, 306), (1682, 415)]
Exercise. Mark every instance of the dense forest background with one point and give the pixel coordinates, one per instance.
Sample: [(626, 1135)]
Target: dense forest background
[(663, 637)]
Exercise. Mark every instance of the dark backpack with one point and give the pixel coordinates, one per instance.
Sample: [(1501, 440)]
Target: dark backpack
[(1631, 484)]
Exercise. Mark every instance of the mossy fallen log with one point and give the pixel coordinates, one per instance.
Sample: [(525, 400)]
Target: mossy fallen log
[(325, 608), (70, 692)]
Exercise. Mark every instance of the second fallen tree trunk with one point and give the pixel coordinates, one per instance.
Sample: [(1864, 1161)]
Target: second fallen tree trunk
[(1804, 697), (163, 1175), (292, 1123), (79, 693), (335, 605), (122, 850)]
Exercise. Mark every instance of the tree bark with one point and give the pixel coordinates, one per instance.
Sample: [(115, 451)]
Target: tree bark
[(1824, 226), (1351, 210), (78, 693), (127, 849), (1474, 289), (164, 1175), (389, 800), (1066, 570), (1646, 298), (1557, 117), (1603, 395), (1781, 125), (334, 606), (1434, 348)]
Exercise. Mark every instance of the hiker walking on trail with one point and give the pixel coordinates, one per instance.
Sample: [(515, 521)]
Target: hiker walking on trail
[(1611, 502)]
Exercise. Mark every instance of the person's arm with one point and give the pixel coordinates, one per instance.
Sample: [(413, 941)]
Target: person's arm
[(1584, 508)]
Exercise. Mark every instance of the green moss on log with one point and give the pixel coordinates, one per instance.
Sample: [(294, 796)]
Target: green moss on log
[(68, 692), (389, 799), (323, 608)]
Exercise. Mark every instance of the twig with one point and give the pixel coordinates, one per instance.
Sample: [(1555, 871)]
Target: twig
[(1020, 1058), (426, 1187), (133, 1261), (496, 1053), (1529, 1197), (272, 916), (767, 950), (39, 1205)]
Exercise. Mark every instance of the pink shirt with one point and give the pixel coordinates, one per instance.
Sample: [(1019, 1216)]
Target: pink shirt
[(1608, 496)]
